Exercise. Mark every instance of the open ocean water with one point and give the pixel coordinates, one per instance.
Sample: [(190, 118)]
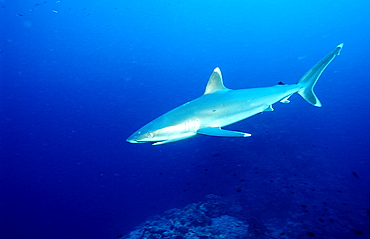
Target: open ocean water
[(79, 77)]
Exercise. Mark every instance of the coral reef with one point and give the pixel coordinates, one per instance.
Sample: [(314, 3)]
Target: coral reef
[(212, 218), (216, 217)]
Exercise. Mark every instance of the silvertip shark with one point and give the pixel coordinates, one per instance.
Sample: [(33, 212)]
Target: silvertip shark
[(220, 106)]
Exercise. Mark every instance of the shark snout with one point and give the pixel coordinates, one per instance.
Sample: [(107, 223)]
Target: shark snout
[(133, 139), (137, 138)]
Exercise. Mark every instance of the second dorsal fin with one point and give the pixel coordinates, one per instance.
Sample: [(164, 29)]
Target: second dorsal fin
[(215, 82)]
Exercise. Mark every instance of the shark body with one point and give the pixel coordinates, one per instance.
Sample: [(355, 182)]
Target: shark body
[(220, 106)]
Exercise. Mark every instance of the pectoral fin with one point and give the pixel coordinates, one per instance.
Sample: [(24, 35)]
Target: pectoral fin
[(212, 131)]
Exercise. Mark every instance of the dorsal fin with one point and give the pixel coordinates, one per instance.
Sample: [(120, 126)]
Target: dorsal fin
[(280, 83), (215, 82)]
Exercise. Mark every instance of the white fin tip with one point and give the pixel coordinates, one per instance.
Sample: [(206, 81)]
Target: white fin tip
[(217, 69)]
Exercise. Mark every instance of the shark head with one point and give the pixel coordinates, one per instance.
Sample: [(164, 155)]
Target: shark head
[(141, 136), (160, 136)]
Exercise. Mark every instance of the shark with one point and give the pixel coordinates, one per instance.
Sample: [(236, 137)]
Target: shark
[(220, 106)]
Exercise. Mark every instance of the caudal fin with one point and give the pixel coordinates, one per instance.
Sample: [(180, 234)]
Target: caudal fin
[(308, 81)]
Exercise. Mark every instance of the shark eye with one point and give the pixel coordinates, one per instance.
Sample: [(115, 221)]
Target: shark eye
[(150, 135)]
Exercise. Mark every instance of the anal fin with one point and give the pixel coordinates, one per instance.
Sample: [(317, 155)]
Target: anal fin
[(285, 100), (213, 131), (269, 108)]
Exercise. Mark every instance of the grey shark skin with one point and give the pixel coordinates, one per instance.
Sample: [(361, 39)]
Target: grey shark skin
[(220, 106)]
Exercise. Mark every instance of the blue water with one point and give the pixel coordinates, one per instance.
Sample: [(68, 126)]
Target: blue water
[(79, 77)]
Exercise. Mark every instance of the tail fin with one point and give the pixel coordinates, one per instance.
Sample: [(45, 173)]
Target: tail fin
[(309, 79)]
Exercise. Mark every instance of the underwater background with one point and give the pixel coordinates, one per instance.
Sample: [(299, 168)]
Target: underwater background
[(79, 77)]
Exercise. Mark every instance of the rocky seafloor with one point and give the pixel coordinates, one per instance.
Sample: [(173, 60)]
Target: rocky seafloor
[(211, 218), (216, 217), (303, 195)]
